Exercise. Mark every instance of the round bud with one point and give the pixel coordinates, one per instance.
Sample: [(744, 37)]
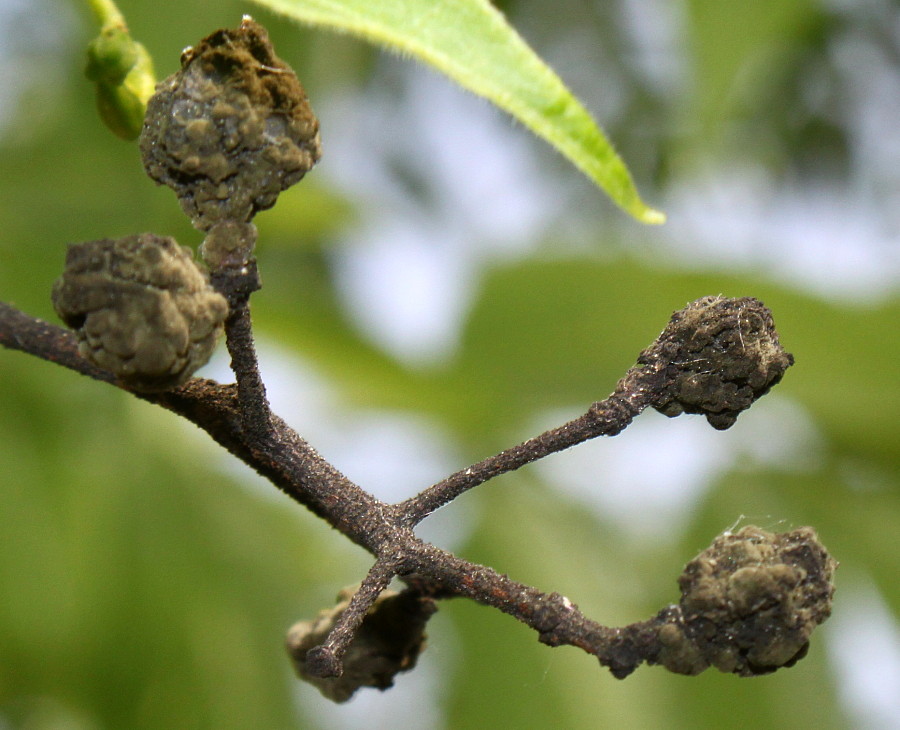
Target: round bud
[(720, 355), (749, 603), (141, 308), (231, 129)]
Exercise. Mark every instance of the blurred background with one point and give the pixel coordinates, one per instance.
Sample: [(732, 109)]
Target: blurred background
[(442, 286)]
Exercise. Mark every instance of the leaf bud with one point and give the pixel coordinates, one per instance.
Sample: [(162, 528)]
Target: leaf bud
[(123, 76)]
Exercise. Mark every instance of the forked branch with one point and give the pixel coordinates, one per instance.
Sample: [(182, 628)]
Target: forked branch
[(715, 357), (146, 316)]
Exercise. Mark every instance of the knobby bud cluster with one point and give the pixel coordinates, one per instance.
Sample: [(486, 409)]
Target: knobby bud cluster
[(231, 129), (388, 642), (722, 354), (749, 603), (228, 132), (141, 308)]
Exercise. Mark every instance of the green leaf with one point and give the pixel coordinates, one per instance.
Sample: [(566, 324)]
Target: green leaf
[(471, 42)]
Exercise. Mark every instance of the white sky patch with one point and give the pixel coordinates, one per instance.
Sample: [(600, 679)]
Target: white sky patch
[(649, 478), (34, 40), (407, 290), (447, 183), (872, 80), (835, 241), (863, 641), (436, 143), (657, 30), (824, 240), (646, 479)]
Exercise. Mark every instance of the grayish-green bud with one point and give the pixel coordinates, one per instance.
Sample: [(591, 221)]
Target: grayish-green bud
[(231, 129), (749, 603), (228, 245), (141, 308)]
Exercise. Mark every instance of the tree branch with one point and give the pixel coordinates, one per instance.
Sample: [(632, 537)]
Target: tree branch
[(143, 308), (19, 331), (715, 357), (609, 417), (325, 660), (284, 458)]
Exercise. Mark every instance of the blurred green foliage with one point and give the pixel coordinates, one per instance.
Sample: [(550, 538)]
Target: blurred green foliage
[(144, 585), (474, 45)]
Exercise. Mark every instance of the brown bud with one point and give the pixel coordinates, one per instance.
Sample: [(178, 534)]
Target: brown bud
[(749, 603), (141, 308), (231, 129), (388, 642), (720, 355)]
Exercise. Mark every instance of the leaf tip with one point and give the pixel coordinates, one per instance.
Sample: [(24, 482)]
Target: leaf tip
[(651, 216)]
